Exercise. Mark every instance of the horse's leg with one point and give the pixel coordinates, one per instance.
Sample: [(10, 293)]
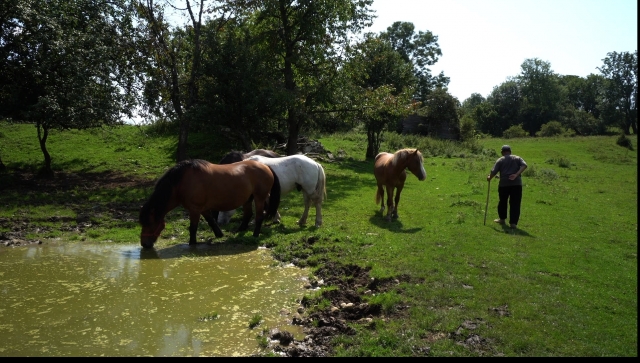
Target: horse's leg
[(247, 212), (212, 219), (390, 207), (395, 209), (276, 218), (194, 219), (318, 203), (307, 203), (381, 194), (259, 217)]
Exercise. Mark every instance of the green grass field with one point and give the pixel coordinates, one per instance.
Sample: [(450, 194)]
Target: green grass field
[(563, 284)]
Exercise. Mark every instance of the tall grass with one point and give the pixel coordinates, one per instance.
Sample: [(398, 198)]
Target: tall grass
[(563, 284)]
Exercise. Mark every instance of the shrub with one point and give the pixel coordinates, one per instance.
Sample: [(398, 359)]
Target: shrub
[(515, 131), (624, 141), (551, 128), (467, 128), (560, 161)]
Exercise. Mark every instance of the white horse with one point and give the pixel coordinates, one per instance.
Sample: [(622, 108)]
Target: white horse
[(295, 172)]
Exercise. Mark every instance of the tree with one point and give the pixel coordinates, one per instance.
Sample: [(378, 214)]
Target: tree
[(486, 119), (621, 90), (472, 102), (67, 65), (421, 50), (174, 68), (440, 111), (308, 36), (383, 84), (241, 84), (506, 101), (582, 98), (541, 94)]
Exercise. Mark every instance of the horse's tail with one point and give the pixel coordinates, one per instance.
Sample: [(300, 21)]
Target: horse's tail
[(379, 196), (274, 197), (320, 193)]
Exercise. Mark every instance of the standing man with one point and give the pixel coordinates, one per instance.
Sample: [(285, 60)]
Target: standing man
[(510, 168)]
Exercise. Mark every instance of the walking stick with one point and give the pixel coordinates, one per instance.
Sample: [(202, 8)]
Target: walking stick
[(486, 207)]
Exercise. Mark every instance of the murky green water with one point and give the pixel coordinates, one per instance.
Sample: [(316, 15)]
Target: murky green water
[(113, 300)]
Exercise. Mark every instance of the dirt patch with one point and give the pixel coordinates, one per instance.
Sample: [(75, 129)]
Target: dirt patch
[(63, 185), (347, 306)]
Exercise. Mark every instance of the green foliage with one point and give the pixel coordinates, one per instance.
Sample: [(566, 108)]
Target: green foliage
[(551, 128), (541, 94), (255, 321), (585, 123), (467, 128), (420, 50), (624, 141), (561, 161), (515, 131), (383, 84), (440, 112), (621, 87), (263, 341), (545, 176)]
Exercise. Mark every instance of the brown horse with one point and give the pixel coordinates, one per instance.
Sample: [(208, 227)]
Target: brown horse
[(389, 170), (223, 217), (202, 187)]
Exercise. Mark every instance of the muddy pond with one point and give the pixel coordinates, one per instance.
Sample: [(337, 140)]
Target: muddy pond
[(78, 299)]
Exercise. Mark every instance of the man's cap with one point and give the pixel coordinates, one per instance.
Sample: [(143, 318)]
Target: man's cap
[(506, 148)]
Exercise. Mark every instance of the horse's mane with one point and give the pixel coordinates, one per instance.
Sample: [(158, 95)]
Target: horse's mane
[(232, 157), (402, 154), (162, 192)]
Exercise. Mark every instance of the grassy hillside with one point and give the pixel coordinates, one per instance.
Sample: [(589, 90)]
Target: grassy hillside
[(563, 284)]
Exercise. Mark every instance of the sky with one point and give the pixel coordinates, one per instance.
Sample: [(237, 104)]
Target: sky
[(484, 42)]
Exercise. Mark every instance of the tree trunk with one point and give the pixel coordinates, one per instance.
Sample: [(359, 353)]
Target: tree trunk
[(294, 132), (43, 134), (373, 143), (2, 166)]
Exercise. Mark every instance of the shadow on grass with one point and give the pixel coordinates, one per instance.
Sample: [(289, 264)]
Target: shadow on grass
[(395, 225), (514, 231)]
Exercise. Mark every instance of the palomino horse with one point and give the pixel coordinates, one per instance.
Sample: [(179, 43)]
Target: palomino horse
[(201, 187), (295, 172), (390, 173)]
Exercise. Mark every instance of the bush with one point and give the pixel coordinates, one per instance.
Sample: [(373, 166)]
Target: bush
[(467, 128), (624, 141), (514, 131), (551, 128)]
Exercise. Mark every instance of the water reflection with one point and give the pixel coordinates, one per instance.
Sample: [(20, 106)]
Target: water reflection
[(78, 299)]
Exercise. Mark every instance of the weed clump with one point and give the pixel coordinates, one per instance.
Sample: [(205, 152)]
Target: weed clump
[(624, 141)]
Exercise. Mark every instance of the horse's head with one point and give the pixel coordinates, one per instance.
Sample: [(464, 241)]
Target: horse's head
[(151, 227), (415, 164)]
